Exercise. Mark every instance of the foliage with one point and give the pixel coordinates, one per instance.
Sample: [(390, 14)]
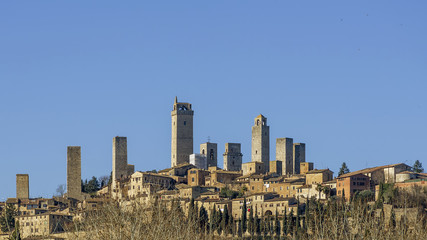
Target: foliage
[(343, 170), (7, 219), (226, 192), (90, 186), (244, 215), (418, 167)]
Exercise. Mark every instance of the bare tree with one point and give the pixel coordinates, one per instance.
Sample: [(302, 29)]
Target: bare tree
[(60, 190)]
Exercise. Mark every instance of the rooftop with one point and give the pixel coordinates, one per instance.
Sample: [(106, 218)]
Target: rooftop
[(369, 170)]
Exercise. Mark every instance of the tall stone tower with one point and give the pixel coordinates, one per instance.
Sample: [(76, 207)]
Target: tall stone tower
[(285, 153), (182, 133), (299, 156), (121, 168), (261, 142), (211, 152), (233, 157), (74, 172), (22, 186)]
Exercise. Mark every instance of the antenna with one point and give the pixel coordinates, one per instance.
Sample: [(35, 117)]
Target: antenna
[(209, 139)]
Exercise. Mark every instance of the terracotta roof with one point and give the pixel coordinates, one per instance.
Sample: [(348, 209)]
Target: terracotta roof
[(279, 199), (369, 170), (318, 171)]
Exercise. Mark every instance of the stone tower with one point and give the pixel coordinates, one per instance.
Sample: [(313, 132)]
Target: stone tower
[(261, 142), (211, 152), (182, 133), (22, 186), (285, 153), (233, 157), (121, 168), (299, 156), (74, 172)]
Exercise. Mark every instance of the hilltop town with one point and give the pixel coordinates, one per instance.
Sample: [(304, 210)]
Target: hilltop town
[(267, 187)]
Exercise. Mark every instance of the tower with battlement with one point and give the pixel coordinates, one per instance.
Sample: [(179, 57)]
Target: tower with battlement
[(233, 157), (182, 133), (261, 142)]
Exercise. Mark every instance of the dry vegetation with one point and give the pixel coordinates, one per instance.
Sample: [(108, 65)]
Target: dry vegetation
[(406, 219)]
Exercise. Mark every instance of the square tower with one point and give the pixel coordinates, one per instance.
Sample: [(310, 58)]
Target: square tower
[(74, 172), (276, 167), (285, 153), (182, 133), (211, 152), (22, 186), (299, 156), (233, 157), (261, 142), (120, 158)]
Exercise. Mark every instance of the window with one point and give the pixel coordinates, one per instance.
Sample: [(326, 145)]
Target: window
[(185, 123), (192, 179)]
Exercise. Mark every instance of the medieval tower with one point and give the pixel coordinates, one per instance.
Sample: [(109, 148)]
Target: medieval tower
[(284, 153), (261, 142), (233, 157), (299, 156), (22, 186), (74, 172), (210, 150), (182, 133), (121, 168)]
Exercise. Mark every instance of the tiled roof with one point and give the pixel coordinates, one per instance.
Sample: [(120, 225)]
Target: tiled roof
[(318, 171), (368, 170)]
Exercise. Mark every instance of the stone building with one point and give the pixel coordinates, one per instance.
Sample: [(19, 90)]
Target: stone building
[(179, 170), (74, 172), (182, 133), (299, 156), (198, 160), (305, 167), (320, 176), (196, 177), (211, 151), (284, 153), (22, 186), (43, 224), (220, 178), (121, 168), (233, 157), (276, 167), (261, 142), (253, 167), (139, 179), (351, 183)]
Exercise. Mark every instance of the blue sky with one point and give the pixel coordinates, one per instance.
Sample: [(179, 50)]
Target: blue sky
[(346, 78)]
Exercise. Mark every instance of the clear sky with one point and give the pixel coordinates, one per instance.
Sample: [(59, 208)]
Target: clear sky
[(348, 78)]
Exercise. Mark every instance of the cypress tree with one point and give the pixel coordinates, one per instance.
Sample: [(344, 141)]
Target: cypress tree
[(251, 222), (257, 227), (225, 219), (203, 219), (244, 217), (277, 224), (291, 222), (285, 223)]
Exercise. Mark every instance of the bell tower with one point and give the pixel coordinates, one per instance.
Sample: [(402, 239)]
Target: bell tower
[(182, 133)]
